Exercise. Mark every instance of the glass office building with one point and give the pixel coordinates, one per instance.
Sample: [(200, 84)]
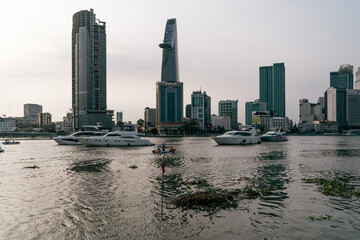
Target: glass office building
[(344, 78), (169, 91)]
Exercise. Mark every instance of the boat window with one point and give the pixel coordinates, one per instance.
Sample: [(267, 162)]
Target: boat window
[(243, 133), (113, 134)]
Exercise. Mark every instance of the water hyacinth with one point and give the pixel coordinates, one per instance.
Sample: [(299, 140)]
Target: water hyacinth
[(335, 187)]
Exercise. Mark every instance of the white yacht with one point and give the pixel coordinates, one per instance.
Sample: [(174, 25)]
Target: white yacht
[(237, 138), (86, 131), (273, 136), (116, 139), (73, 138)]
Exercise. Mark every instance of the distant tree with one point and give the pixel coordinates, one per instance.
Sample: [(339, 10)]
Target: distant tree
[(140, 122), (120, 123), (154, 131), (262, 128), (220, 129), (148, 124), (181, 130), (191, 126), (166, 130)]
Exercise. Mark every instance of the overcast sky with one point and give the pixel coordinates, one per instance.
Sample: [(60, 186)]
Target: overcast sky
[(222, 43)]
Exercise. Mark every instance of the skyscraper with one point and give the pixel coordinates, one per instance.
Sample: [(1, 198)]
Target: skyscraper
[(89, 71), (272, 88), (169, 92), (201, 109), (344, 78), (229, 108)]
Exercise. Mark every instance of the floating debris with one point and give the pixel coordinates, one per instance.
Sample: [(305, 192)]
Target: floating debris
[(274, 155), (335, 188), (33, 167), (319, 218), (133, 167)]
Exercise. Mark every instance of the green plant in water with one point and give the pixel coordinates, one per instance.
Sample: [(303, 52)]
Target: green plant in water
[(319, 218), (335, 187), (274, 155)]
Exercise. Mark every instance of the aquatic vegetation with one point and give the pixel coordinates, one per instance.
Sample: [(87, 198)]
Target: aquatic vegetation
[(334, 187), (133, 167), (199, 182), (33, 167), (209, 200), (274, 155), (213, 199), (319, 218), (90, 166)]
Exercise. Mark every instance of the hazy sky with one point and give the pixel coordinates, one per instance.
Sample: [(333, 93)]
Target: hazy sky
[(222, 43)]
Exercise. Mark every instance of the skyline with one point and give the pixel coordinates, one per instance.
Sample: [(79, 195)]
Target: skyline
[(227, 49)]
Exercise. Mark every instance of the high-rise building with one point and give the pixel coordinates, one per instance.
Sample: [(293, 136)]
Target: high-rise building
[(150, 117), (31, 112), (335, 105), (344, 78), (357, 79), (169, 91), (201, 109), (188, 111), (89, 71), (353, 107), (44, 119), (342, 106), (309, 112), (272, 88), (253, 106), (229, 108), (119, 117)]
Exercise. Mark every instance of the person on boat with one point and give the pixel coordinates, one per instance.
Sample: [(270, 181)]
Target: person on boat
[(163, 147), (158, 150), (171, 149)]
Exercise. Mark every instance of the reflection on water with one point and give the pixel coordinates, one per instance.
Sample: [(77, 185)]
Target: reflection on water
[(96, 165), (91, 193)]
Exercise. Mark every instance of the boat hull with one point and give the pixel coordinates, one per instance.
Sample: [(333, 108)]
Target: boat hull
[(236, 141), (96, 142), (66, 141), (273, 139)]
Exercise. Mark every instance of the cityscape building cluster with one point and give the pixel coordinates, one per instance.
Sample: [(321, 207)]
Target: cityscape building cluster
[(337, 110)]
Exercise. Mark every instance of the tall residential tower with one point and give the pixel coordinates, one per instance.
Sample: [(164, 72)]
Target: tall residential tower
[(89, 71), (169, 92), (272, 88)]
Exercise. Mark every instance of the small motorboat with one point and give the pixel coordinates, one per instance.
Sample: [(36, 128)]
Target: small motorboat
[(7, 142), (273, 136), (1, 150), (161, 149)]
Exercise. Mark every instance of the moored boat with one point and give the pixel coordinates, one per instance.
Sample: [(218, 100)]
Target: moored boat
[(1, 150), (273, 136), (242, 137), (115, 139), (8, 142)]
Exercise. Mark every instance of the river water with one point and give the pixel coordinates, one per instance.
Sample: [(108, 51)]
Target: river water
[(91, 193)]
